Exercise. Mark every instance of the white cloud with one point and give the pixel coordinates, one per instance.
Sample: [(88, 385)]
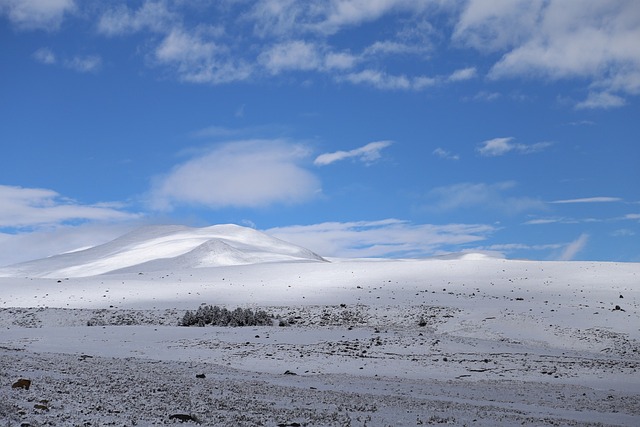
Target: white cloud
[(497, 24), (341, 13), (45, 56), (623, 232), (444, 154), (484, 95), (384, 238), (81, 64), (340, 61), (382, 80), (481, 195), (248, 173), (590, 200), (300, 55), (544, 221), (30, 207), (500, 146), (280, 17), (463, 74), (152, 15), (557, 39), (198, 60), (496, 146), (508, 247), (84, 64), (601, 100), (367, 154), (391, 47), (194, 52), (573, 248), (37, 14), (292, 55)]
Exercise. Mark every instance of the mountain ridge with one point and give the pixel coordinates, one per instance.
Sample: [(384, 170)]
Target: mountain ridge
[(167, 247)]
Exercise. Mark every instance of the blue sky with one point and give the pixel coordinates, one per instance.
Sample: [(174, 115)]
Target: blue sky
[(396, 128)]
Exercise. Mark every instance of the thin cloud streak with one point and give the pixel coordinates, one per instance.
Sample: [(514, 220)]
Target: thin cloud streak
[(33, 207), (489, 197), (589, 200), (81, 64), (367, 154), (444, 154), (383, 238), (501, 146), (572, 249)]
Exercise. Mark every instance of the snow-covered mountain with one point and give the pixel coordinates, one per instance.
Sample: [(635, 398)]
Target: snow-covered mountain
[(167, 247)]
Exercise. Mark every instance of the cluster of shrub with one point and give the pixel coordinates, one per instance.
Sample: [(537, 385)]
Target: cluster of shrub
[(216, 316)]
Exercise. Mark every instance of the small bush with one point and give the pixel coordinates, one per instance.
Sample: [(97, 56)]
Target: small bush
[(216, 316)]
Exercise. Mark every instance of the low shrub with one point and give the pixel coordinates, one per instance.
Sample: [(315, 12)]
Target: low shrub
[(216, 316)]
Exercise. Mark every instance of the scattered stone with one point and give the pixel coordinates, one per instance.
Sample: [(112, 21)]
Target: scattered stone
[(182, 418), (618, 308), (41, 407), (201, 376), (22, 383), (288, 372)]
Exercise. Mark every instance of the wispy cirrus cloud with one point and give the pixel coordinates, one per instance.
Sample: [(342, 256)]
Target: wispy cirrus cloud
[(45, 55), (249, 173), (589, 200), (573, 248), (36, 207), (366, 154), (300, 55), (291, 55), (198, 59), (84, 64), (383, 238), (444, 154), (501, 146), (79, 63), (385, 81), (491, 197)]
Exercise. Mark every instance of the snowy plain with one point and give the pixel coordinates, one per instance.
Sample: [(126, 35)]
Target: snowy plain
[(460, 340)]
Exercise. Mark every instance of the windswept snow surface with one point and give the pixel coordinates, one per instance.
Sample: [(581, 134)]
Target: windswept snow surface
[(466, 341)]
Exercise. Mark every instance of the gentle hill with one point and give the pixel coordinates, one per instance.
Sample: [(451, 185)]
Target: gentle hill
[(165, 248)]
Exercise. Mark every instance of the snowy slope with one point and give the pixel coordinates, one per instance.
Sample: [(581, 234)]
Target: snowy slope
[(167, 247), (467, 340)]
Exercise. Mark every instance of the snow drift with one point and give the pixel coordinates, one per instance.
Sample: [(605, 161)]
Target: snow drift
[(167, 247)]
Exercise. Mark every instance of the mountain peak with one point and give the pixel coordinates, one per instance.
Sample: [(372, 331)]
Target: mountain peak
[(167, 247)]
